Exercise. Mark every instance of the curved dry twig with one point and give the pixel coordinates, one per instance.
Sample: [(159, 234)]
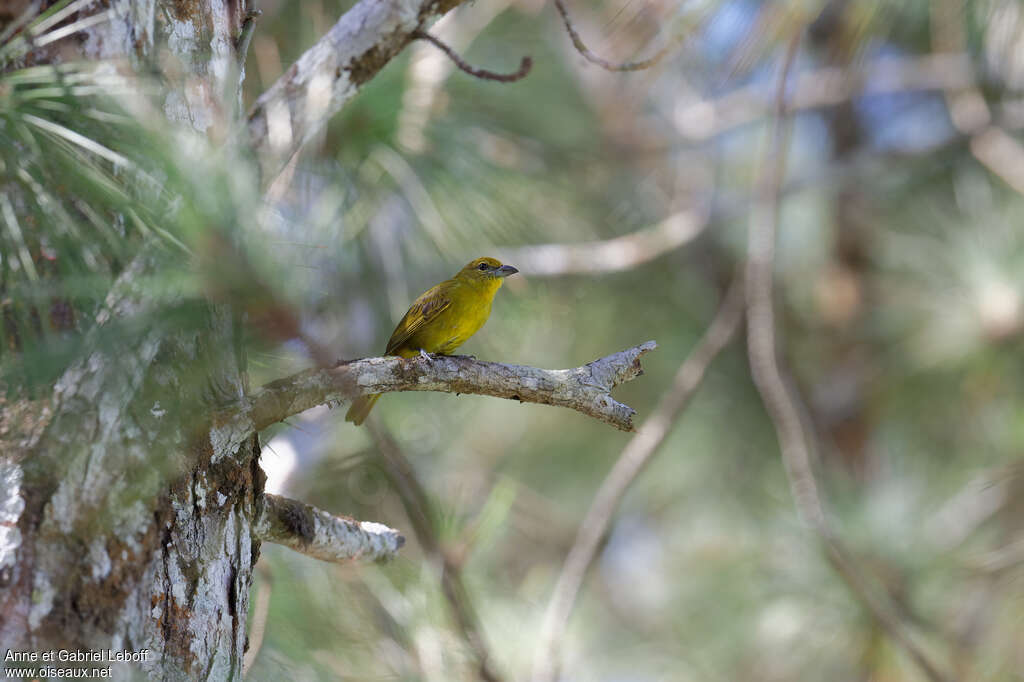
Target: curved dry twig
[(524, 66), (610, 255), (582, 48), (637, 453), (779, 400), (761, 314)]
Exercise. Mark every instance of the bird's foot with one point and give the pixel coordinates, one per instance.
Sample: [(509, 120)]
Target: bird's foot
[(426, 356)]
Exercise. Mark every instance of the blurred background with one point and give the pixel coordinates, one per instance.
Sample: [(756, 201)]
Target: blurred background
[(900, 275)]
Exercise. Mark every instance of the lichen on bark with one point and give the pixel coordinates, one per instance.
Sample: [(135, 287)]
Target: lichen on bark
[(121, 526)]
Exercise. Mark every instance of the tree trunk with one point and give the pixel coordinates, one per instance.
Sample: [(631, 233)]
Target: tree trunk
[(124, 526)]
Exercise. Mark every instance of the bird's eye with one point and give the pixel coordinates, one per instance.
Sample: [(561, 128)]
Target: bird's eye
[(482, 266)]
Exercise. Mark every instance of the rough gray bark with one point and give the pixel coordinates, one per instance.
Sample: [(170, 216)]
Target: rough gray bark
[(135, 532), (586, 389), (123, 526)]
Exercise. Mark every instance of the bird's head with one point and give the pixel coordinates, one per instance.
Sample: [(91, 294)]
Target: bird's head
[(485, 270)]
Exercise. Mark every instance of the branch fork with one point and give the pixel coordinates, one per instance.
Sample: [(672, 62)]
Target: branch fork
[(316, 533), (321, 535), (331, 72), (585, 389)]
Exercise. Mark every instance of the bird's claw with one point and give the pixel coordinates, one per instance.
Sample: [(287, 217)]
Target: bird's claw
[(425, 355)]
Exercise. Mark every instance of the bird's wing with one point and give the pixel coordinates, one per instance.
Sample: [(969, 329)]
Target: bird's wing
[(424, 309)]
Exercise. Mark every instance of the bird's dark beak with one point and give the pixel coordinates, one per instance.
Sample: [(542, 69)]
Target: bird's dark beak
[(505, 271)]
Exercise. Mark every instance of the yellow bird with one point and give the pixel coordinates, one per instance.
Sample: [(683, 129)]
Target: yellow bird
[(442, 318)]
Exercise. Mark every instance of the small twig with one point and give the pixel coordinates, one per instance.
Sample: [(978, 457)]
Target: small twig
[(779, 400), (582, 48), (321, 535), (524, 66), (637, 453), (610, 255), (429, 68), (417, 508)]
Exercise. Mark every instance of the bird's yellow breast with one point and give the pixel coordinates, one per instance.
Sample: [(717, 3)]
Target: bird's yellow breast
[(470, 307)]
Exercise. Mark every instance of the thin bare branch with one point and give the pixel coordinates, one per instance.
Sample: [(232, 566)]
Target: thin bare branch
[(322, 535), (429, 69), (780, 400), (610, 255), (637, 453), (524, 66), (417, 508), (761, 314), (582, 48)]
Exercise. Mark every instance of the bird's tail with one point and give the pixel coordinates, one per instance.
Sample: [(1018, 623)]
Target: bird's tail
[(361, 407)]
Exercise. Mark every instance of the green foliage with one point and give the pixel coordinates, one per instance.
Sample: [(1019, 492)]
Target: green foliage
[(90, 177), (900, 309)]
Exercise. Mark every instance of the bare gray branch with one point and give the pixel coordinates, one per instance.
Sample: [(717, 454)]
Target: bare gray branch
[(321, 535), (585, 389)]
